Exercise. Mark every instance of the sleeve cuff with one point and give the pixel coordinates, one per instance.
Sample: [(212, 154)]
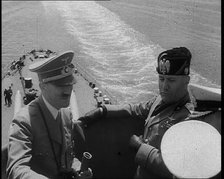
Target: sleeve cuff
[(142, 154)]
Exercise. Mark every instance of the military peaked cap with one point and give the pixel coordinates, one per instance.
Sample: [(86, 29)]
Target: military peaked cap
[(56, 69), (175, 61)]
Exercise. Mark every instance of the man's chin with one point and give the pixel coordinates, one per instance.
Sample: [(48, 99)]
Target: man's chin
[(65, 104), (166, 100)]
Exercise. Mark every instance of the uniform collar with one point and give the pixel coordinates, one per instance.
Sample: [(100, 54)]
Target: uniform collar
[(52, 109), (161, 106), (184, 100), (180, 102)]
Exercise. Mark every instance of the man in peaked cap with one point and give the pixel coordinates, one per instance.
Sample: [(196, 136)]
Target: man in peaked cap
[(171, 106), (41, 136)]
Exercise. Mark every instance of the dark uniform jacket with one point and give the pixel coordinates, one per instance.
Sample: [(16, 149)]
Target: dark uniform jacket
[(159, 117), (30, 153)]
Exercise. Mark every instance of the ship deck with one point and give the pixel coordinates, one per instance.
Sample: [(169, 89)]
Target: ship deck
[(114, 157), (84, 94)]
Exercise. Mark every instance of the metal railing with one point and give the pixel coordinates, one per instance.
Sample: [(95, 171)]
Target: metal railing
[(88, 77)]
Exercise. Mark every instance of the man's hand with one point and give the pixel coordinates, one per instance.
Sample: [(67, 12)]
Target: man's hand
[(87, 174), (135, 142), (76, 169), (93, 116)]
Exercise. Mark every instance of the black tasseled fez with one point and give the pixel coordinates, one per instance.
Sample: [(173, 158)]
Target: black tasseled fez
[(175, 61)]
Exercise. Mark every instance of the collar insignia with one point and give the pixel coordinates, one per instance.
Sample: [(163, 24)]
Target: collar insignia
[(190, 107)]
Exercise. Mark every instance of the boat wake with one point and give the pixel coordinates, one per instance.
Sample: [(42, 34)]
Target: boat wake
[(116, 55)]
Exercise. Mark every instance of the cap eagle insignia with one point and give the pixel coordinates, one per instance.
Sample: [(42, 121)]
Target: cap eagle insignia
[(164, 66), (65, 60)]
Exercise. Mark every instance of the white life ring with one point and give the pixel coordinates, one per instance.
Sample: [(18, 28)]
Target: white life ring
[(192, 149)]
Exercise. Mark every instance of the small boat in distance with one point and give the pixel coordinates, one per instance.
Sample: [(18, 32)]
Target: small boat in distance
[(107, 140)]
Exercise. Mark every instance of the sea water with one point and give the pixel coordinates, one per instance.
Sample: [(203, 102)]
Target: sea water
[(119, 57)]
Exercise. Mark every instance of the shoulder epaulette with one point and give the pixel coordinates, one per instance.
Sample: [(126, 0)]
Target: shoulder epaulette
[(197, 114)]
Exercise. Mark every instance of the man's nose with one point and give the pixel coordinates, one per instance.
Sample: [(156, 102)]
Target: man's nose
[(165, 85)]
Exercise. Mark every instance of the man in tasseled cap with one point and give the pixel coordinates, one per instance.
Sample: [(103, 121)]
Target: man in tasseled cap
[(171, 106), (42, 135)]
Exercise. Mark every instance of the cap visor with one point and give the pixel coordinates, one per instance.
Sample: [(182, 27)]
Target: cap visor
[(69, 80)]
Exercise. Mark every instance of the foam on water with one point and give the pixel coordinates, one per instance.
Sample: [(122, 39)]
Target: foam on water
[(117, 56)]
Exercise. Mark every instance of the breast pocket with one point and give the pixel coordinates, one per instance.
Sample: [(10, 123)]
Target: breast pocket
[(42, 149), (43, 158)]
